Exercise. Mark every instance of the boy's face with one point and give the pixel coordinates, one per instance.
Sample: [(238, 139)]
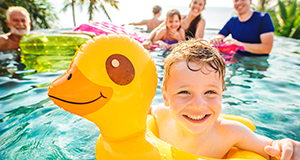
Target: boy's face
[(194, 97)]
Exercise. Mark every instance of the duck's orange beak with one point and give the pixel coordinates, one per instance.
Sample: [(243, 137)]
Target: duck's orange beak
[(75, 93)]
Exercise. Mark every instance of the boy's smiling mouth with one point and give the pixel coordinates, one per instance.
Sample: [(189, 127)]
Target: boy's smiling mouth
[(196, 118)]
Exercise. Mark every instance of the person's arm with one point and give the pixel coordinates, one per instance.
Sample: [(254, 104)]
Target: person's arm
[(153, 33), (285, 149), (3, 42), (158, 39), (217, 39), (264, 47), (246, 139), (200, 29), (223, 33), (178, 35), (182, 34), (144, 22)]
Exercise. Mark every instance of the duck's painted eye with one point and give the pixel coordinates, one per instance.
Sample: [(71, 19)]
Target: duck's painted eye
[(70, 76), (119, 69)]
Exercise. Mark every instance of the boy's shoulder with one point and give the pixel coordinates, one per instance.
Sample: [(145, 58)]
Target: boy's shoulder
[(235, 128), (159, 110)]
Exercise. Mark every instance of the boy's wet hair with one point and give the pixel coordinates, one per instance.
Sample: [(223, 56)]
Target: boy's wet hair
[(171, 13), (156, 9), (195, 50)]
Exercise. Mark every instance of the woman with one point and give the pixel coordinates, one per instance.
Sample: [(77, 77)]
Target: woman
[(193, 24), (251, 29)]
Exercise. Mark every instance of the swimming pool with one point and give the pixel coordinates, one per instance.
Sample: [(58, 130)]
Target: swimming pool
[(263, 89)]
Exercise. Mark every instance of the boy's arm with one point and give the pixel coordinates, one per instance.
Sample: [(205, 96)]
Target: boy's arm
[(286, 149), (245, 139)]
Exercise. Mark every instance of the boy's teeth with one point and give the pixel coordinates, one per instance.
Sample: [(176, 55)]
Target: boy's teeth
[(194, 117)]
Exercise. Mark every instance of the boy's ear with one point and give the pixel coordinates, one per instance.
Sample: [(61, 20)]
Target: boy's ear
[(164, 93)]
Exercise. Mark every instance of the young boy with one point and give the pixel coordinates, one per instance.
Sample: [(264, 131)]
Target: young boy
[(192, 92)]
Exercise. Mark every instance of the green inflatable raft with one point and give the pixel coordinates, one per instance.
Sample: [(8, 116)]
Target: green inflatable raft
[(52, 44)]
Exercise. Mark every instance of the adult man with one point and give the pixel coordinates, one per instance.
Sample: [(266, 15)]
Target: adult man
[(251, 29), (19, 23), (154, 22)]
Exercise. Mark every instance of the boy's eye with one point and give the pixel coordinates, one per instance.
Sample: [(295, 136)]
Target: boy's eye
[(183, 92), (210, 92)]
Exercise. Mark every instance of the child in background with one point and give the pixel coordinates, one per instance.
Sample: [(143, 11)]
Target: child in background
[(190, 116), (172, 33)]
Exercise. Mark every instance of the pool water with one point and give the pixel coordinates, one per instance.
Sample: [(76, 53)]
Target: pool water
[(263, 89)]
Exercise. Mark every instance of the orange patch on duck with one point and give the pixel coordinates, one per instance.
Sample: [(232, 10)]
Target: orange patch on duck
[(77, 94)]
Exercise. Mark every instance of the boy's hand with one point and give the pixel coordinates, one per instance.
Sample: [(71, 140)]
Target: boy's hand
[(285, 149)]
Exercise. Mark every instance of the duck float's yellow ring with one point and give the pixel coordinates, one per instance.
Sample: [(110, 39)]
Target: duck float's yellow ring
[(111, 82)]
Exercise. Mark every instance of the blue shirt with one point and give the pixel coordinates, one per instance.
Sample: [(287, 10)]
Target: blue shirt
[(250, 30)]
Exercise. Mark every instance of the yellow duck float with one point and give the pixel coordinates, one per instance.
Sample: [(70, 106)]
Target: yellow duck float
[(111, 82)]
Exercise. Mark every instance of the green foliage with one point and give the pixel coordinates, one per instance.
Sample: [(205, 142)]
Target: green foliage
[(41, 13), (93, 5), (286, 18), (262, 5), (67, 4)]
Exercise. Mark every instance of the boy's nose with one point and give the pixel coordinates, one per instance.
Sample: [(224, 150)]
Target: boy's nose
[(198, 103)]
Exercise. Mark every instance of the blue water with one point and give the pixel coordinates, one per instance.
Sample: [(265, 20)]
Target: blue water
[(265, 90)]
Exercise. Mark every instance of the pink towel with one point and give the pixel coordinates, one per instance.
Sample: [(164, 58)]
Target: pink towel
[(229, 49)]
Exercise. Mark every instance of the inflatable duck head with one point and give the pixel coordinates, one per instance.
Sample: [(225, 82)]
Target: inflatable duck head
[(111, 82)]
